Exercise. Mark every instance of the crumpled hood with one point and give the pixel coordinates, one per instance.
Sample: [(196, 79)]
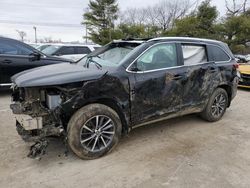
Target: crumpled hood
[(62, 73)]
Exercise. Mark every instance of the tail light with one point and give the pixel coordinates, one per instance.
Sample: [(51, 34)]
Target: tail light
[(236, 65)]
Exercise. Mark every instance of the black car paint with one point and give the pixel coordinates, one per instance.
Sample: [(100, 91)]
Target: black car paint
[(12, 64), (56, 75), (140, 97)]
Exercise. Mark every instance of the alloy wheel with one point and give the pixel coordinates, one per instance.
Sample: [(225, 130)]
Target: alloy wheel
[(219, 105), (97, 133)]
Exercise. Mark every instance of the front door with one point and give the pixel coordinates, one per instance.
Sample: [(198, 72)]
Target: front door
[(156, 89)]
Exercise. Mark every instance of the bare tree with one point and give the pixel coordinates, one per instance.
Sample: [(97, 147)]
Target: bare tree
[(234, 8), (49, 40), (161, 15), (134, 16), (22, 34), (167, 11)]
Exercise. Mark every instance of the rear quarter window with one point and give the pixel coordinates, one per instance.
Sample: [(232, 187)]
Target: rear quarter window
[(194, 54), (217, 54)]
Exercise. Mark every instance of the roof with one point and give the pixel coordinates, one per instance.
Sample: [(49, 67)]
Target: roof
[(184, 38), (128, 41), (71, 44)]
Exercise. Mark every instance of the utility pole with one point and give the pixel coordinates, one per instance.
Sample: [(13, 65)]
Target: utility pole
[(34, 27), (86, 37)]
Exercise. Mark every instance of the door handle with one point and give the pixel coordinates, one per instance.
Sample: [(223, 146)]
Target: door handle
[(177, 77), (212, 69), (6, 61)]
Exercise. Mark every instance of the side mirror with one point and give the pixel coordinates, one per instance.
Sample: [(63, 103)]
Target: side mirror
[(35, 56), (134, 68)]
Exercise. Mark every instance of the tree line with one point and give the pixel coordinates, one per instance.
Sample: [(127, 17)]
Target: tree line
[(105, 22)]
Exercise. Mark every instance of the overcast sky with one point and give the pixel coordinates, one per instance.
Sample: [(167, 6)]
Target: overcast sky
[(59, 19)]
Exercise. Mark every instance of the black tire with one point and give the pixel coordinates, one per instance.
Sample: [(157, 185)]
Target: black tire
[(208, 113), (81, 128)]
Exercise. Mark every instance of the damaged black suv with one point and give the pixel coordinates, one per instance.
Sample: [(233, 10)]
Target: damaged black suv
[(120, 86)]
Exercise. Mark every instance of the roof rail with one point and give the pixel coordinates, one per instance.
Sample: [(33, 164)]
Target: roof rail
[(131, 38)]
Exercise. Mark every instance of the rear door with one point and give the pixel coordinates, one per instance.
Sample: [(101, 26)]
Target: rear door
[(156, 89), (200, 73)]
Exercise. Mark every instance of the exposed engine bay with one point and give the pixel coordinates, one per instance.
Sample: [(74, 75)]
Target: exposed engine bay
[(37, 114)]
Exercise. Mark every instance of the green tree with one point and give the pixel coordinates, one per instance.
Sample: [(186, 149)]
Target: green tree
[(197, 24), (100, 20), (235, 30)]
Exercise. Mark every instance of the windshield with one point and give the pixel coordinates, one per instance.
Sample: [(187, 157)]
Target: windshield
[(51, 49), (111, 54)]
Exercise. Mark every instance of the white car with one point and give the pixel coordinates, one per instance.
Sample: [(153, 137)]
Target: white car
[(70, 51), (248, 57)]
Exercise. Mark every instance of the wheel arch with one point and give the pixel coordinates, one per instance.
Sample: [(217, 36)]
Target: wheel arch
[(116, 107), (228, 89)]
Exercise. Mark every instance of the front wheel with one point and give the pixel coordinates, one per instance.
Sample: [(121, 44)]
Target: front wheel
[(216, 106), (93, 131)]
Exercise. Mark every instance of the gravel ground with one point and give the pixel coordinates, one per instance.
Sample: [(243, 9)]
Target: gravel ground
[(181, 152)]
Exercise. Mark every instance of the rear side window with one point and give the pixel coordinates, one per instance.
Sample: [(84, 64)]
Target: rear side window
[(217, 54), (83, 50), (194, 54), (66, 51)]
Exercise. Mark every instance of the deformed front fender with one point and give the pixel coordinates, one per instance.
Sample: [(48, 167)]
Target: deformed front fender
[(108, 90)]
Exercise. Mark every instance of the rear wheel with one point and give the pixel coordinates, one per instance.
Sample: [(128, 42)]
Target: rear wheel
[(216, 106), (93, 131)]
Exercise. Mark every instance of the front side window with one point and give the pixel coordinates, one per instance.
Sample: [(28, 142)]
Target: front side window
[(8, 48), (158, 57), (194, 54), (217, 54)]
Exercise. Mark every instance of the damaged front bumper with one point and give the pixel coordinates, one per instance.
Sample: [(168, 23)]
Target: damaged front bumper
[(29, 123), (31, 130)]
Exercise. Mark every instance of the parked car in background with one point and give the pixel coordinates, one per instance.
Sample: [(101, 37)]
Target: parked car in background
[(41, 47), (16, 56), (248, 57), (244, 69), (120, 86), (70, 51), (240, 58), (34, 45)]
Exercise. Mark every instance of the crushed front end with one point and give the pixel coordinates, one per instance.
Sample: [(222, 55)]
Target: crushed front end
[(37, 113)]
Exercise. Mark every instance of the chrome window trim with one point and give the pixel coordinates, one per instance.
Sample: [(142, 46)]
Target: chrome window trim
[(21, 56), (127, 69), (5, 84), (175, 42)]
